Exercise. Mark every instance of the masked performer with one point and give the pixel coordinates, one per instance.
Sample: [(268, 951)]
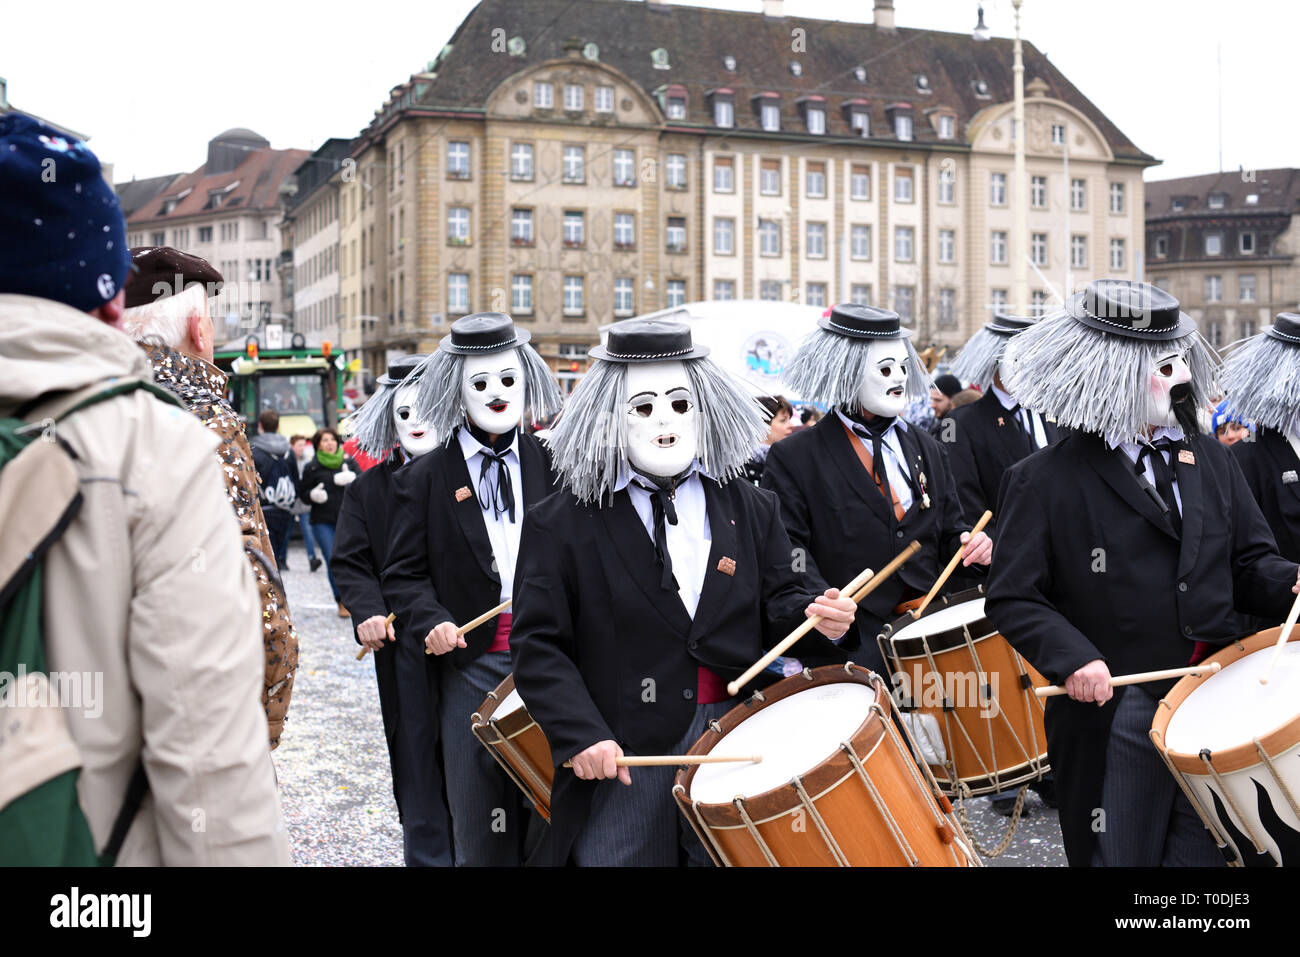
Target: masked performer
[(652, 580), (454, 544), (857, 488), (386, 429), (1117, 549)]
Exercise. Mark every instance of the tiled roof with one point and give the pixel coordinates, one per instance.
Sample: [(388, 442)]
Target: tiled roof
[(135, 193), (697, 40), (256, 185), (1277, 190)]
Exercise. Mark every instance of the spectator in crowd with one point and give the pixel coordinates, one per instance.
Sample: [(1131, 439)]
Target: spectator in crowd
[(322, 484), (1228, 427), (304, 453), (964, 397), (809, 417), (278, 473), (945, 387), (779, 414)]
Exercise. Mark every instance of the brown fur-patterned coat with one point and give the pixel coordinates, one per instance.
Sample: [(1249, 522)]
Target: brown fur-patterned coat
[(202, 387)]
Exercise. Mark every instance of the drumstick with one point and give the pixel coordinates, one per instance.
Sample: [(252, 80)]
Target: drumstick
[(952, 565), (659, 760), (387, 621), (734, 687), (1282, 639), (894, 565), (471, 625), (1135, 679)]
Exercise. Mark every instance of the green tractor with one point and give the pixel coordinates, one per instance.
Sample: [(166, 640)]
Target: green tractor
[(303, 383)]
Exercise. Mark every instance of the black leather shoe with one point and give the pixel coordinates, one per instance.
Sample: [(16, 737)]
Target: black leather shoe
[(316, 563)]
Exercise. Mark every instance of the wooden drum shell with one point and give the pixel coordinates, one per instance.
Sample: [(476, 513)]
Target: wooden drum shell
[(519, 746)]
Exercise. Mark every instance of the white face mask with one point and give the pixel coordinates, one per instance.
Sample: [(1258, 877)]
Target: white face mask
[(1167, 372), (884, 391), (662, 420), (493, 391), (1004, 373), (415, 436)]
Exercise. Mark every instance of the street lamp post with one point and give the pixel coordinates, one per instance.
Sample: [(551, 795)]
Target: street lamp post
[(1020, 275)]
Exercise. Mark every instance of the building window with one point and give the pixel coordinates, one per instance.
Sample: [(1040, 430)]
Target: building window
[(676, 292), (815, 244), (604, 99), (543, 96), (458, 225), (575, 164), (1038, 302), (457, 160), (816, 180), (902, 184), (1176, 204), (676, 171), (1078, 193), (724, 112), (860, 241), (998, 299), (724, 178), (1246, 243), (521, 161), (1246, 328), (1117, 255), (624, 231), (947, 307), (997, 189), (816, 120), (1162, 245), (769, 290), (624, 296), (1079, 252), (458, 293), (572, 96), (676, 108), (947, 127), (1214, 333), (521, 227), (1038, 249), (1214, 244), (573, 296), (860, 121), (816, 294), (947, 187), (903, 127), (860, 295), (521, 294), (947, 246), (205, 234), (769, 237), (724, 289), (998, 249), (859, 182), (770, 114), (1038, 192), (904, 297), (1217, 201), (1246, 288), (769, 177), (624, 167), (903, 244), (575, 233), (1058, 134), (676, 234), (1117, 197), (724, 236)]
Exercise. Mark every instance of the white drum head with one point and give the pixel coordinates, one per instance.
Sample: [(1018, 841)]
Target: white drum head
[(793, 735), (1232, 708), (509, 704), (944, 619)]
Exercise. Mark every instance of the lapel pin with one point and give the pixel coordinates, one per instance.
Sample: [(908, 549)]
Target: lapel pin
[(1290, 477), (925, 493), (1001, 421), (727, 566), (463, 493), (1186, 457)]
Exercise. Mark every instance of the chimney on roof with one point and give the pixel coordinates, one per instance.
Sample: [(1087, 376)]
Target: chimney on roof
[(573, 47), (773, 8), (884, 15)]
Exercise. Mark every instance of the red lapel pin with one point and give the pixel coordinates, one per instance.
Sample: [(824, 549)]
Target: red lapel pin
[(1186, 457), (727, 566), (463, 493)]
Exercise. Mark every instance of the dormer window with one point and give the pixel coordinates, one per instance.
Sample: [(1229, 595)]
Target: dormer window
[(170, 204), (729, 64), (1252, 199), (858, 114), (1218, 200), (724, 108), (814, 112), (675, 102), (860, 74), (769, 111), (796, 68), (922, 84), (981, 89), (1176, 204), (900, 116), (947, 126)]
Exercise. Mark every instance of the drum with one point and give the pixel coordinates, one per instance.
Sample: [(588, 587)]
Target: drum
[(1234, 747), (968, 697), (836, 786), (506, 729)]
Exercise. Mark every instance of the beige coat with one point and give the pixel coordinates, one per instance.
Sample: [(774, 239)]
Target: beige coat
[(149, 588)]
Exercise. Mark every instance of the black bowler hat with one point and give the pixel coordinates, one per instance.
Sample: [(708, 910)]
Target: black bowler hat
[(648, 340), (483, 333), (1136, 310), (399, 369), (1286, 328), (864, 322), (1005, 324)]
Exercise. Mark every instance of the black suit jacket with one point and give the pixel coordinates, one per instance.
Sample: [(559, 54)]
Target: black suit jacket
[(361, 541), (841, 523), (983, 440), (602, 651), (1265, 461), (1086, 566), (440, 563)]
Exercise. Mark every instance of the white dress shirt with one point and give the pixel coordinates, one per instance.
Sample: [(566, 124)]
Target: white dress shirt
[(1131, 449), (899, 478), (689, 540), (502, 533), (1030, 420)]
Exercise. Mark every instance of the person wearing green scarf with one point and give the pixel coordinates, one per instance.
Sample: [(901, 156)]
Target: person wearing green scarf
[(321, 485)]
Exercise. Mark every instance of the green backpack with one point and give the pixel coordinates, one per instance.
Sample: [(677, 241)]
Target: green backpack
[(41, 821)]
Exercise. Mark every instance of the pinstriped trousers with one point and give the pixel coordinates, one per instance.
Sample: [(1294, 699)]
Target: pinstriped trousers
[(1148, 820), (640, 826)]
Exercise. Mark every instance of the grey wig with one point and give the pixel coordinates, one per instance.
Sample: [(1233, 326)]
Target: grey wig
[(439, 400), (1262, 378), (1095, 381), (372, 425), (830, 368), (589, 443), (977, 363)]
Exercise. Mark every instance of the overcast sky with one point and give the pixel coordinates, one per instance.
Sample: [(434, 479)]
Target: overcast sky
[(150, 84)]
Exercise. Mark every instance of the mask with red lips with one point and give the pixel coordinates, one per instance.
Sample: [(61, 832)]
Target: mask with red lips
[(662, 420), (493, 391), (884, 391), (415, 436)]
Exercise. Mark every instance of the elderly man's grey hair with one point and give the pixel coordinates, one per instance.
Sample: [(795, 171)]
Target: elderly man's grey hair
[(439, 400), (372, 425), (165, 320), (589, 443), (1262, 378), (1096, 381), (831, 368), (977, 363)]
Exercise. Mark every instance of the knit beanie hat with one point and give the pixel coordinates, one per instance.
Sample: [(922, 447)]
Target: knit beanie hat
[(62, 235)]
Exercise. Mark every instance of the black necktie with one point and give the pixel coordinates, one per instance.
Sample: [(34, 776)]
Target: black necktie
[(500, 497), (1164, 474), (664, 508), (874, 430), (1027, 431)]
